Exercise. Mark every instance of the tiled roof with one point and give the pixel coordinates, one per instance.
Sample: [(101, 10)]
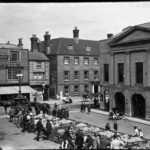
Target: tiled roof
[(60, 46), (38, 56), (2, 45)]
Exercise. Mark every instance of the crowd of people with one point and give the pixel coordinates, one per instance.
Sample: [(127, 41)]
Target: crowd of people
[(22, 115)]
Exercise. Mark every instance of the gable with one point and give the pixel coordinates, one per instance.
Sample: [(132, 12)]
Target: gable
[(135, 34)]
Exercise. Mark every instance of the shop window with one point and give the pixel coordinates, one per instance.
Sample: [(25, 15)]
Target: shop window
[(139, 72), (106, 72)]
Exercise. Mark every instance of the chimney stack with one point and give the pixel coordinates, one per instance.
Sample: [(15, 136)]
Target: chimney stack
[(47, 37), (34, 44), (76, 35), (110, 35), (20, 44)]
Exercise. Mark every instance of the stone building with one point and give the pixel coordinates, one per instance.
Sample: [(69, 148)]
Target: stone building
[(125, 71), (74, 64), (14, 61), (38, 71)]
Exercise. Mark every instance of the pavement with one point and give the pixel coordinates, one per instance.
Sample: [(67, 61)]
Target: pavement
[(77, 101)]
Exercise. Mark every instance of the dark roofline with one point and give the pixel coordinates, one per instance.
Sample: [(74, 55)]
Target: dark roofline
[(128, 31)]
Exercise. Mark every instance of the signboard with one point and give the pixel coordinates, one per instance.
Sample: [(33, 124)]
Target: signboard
[(38, 82)]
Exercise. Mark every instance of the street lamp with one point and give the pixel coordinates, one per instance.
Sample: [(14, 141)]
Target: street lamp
[(20, 76)]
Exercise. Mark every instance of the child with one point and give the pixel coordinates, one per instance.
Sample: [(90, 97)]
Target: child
[(140, 133)]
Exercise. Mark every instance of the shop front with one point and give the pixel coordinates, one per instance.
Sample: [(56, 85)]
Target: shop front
[(11, 92)]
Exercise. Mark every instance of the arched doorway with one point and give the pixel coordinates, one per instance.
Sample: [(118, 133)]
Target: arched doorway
[(120, 102), (138, 106)]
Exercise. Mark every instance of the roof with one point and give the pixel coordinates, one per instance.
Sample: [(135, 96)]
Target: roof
[(60, 46), (145, 25), (7, 45), (38, 56)]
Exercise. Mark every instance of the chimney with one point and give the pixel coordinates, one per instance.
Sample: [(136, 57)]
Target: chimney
[(110, 35), (76, 35), (20, 44), (47, 37), (34, 44)]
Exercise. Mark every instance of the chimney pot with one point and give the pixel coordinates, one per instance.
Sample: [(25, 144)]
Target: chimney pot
[(20, 44), (109, 35), (34, 42), (34, 35)]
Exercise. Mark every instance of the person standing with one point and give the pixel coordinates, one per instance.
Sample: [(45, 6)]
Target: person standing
[(49, 129), (39, 128), (88, 109), (107, 127), (115, 126)]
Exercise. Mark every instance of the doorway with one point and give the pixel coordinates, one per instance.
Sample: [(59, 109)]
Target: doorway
[(138, 106)]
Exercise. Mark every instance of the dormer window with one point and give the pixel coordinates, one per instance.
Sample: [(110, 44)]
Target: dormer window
[(88, 48), (70, 47)]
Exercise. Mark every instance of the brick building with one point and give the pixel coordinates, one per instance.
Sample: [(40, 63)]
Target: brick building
[(74, 64), (125, 73), (38, 71), (13, 61)]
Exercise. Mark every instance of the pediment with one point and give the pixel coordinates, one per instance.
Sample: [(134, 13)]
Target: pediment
[(131, 36)]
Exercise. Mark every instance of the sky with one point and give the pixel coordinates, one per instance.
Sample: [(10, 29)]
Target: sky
[(94, 20)]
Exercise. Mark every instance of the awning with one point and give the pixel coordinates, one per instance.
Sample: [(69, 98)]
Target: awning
[(15, 90)]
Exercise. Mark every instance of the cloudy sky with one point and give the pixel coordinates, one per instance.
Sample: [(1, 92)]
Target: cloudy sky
[(94, 20)]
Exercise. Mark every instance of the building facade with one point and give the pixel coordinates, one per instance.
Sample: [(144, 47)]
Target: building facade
[(125, 63), (38, 71), (74, 64), (13, 61)]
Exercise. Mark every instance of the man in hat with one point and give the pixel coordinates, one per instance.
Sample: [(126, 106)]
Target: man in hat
[(39, 128)]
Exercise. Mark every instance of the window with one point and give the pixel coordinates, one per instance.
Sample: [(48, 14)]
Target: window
[(86, 61), (96, 75), (86, 88), (106, 72), (88, 48), (120, 72), (12, 73), (86, 75), (76, 75), (76, 60), (76, 89), (139, 72), (66, 60), (66, 75), (38, 65), (70, 47), (96, 61), (14, 56), (66, 89), (38, 76)]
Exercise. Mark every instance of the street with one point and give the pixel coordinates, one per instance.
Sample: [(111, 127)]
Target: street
[(11, 137)]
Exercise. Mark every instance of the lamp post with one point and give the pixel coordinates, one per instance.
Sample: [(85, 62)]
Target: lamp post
[(20, 76)]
